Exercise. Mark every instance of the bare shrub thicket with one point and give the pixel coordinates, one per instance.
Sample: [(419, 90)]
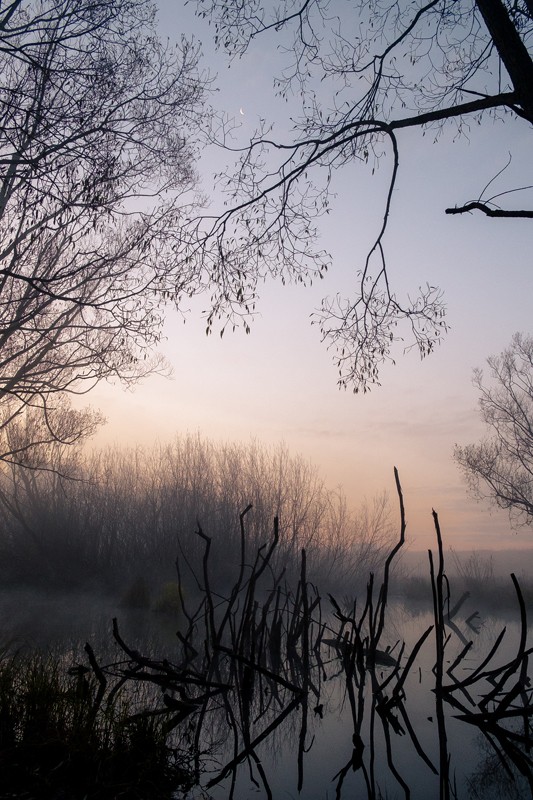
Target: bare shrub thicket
[(131, 512)]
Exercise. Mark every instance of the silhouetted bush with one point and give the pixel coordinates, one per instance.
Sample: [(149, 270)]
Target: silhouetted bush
[(122, 511), (169, 600), (59, 738)]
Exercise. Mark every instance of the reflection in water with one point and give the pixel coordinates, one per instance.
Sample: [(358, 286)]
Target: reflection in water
[(276, 692), (495, 780), (268, 668)]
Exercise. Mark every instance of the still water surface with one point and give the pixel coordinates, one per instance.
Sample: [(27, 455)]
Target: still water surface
[(65, 623)]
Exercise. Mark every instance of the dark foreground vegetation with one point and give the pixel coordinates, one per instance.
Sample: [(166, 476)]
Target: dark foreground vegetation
[(65, 733), (258, 660)]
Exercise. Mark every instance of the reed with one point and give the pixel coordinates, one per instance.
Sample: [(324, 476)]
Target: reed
[(67, 730)]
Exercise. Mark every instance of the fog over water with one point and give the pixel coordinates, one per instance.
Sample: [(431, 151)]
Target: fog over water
[(62, 623)]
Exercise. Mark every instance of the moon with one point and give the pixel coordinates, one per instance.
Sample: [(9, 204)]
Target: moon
[(241, 112)]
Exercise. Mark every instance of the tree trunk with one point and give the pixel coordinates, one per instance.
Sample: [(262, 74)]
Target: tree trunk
[(511, 50)]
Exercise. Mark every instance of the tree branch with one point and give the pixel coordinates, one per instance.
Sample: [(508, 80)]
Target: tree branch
[(508, 99), (490, 212)]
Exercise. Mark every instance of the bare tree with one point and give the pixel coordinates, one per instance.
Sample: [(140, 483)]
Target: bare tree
[(362, 73), (500, 468), (121, 512), (99, 128)]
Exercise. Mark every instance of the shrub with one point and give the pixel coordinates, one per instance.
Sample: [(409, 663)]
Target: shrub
[(134, 510), (169, 600), (59, 738)]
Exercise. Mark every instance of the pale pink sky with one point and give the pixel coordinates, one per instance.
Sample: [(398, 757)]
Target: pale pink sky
[(279, 384)]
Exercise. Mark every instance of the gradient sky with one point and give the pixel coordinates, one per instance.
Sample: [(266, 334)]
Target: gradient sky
[(279, 383)]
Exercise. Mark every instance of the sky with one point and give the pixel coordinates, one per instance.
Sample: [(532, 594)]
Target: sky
[(278, 384)]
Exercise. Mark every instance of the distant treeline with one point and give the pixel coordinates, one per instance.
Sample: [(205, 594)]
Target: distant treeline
[(104, 517)]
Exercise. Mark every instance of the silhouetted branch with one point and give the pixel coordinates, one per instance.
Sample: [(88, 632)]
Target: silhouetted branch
[(490, 212)]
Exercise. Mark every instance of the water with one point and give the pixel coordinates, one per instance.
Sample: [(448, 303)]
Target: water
[(326, 751), (329, 740)]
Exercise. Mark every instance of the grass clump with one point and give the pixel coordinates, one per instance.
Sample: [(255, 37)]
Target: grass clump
[(62, 732), (169, 600)]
